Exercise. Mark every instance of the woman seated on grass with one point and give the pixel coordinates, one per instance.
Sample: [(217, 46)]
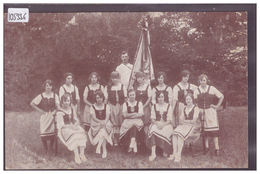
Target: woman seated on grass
[(160, 131), (101, 129), (69, 130), (188, 130), (132, 124)]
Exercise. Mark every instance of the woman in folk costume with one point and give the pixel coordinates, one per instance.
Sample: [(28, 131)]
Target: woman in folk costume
[(69, 131), (179, 91), (132, 124), (46, 103), (71, 89), (188, 130), (160, 131), (115, 95), (204, 95), (101, 129), (167, 90), (144, 95), (89, 97)]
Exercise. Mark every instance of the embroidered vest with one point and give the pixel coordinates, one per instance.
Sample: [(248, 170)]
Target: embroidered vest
[(132, 109), (100, 114), (162, 116), (182, 93), (91, 96), (142, 95), (112, 96), (205, 99), (165, 92), (72, 95), (190, 115), (47, 104), (68, 119)]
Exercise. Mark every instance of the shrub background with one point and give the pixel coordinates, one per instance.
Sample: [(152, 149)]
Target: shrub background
[(51, 44)]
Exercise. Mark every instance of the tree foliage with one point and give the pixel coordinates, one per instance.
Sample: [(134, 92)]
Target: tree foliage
[(51, 44)]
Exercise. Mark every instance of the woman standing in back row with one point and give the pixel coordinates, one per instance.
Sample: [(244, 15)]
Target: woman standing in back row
[(115, 95), (89, 97), (179, 92), (46, 103), (144, 95), (72, 90), (167, 90), (204, 95)]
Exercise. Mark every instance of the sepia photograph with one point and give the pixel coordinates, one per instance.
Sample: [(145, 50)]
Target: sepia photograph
[(129, 86)]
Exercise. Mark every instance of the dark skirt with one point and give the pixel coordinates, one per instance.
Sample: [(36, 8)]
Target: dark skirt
[(133, 132), (164, 145), (50, 137), (212, 133)]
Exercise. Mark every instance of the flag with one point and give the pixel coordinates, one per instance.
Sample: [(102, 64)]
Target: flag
[(143, 59)]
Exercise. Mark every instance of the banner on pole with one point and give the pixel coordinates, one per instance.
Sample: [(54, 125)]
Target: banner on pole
[(143, 59)]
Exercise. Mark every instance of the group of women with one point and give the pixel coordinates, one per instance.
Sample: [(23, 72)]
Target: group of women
[(156, 116)]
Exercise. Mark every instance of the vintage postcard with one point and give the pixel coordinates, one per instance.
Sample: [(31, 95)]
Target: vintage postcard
[(129, 86)]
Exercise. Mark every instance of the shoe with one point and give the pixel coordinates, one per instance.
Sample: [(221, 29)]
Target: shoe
[(191, 149), (216, 152), (46, 151), (83, 158), (98, 151), (171, 157), (177, 159), (104, 155), (165, 154), (77, 160), (152, 157), (134, 153), (130, 149), (206, 150)]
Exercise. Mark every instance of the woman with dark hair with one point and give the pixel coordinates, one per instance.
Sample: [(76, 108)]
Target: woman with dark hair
[(101, 129), (71, 89), (179, 91), (69, 131), (167, 90), (144, 95), (132, 124), (188, 130), (160, 131), (204, 96), (46, 103), (115, 95), (89, 97)]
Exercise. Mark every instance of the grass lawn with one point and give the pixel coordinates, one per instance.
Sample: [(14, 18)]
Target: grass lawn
[(24, 149)]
